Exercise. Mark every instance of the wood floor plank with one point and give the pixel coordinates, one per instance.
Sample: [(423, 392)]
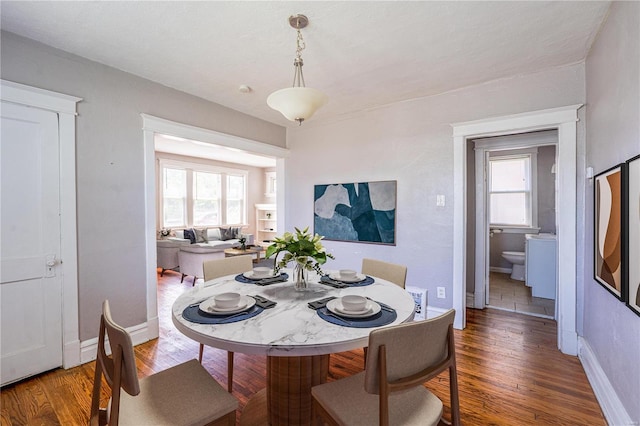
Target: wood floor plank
[(509, 373)]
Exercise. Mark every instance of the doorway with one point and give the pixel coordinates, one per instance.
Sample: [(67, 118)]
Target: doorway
[(563, 119), (515, 193), (153, 126)]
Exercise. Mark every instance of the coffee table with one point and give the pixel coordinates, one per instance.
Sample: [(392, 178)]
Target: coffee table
[(230, 252), (296, 341)]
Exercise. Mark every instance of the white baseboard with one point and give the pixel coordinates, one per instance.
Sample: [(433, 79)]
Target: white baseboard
[(139, 334), (433, 312), (501, 270), (612, 408), (71, 354)]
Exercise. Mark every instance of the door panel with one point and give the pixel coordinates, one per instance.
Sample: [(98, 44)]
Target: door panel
[(30, 287)]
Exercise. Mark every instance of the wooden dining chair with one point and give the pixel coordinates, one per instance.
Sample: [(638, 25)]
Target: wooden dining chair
[(397, 274), (182, 395), (217, 268), (391, 272), (390, 391)]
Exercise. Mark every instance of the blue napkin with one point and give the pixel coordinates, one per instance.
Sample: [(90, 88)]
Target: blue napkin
[(194, 314), (264, 302)]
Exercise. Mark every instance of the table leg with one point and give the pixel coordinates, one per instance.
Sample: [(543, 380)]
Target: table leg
[(289, 383), (288, 393)]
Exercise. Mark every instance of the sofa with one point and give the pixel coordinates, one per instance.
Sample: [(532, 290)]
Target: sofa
[(189, 248), (167, 253)]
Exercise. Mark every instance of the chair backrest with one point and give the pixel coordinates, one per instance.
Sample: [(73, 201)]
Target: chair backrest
[(397, 274), (226, 266), (407, 355), (119, 369)]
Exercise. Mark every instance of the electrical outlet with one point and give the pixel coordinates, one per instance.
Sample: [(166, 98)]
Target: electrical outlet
[(440, 200), (441, 293)]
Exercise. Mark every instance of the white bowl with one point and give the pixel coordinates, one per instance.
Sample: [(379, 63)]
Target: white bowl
[(353, 303), (261, 271), (347, 274), (227, 300)]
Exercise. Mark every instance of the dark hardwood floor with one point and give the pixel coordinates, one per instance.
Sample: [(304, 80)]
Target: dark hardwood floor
[(509, 373)]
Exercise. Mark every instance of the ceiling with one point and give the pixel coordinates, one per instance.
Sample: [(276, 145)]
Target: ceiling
[(362, 54)]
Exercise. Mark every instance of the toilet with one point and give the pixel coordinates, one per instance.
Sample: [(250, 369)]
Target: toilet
[(517, 259)]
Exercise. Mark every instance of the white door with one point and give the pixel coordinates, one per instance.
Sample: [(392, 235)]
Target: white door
[(30, 283)]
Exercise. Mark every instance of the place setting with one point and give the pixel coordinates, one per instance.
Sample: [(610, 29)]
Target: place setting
[(225, 308), (354, 311), (261, 275), (346, 278)]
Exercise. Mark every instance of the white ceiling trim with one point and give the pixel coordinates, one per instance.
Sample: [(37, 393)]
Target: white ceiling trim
[(172, 128)]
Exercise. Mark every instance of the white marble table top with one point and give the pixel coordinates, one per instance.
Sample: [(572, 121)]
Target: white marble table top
[(290, 328)]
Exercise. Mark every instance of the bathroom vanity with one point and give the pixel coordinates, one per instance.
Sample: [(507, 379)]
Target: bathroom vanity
[(541, 264)]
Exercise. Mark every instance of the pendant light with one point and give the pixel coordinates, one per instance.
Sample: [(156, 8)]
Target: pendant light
[(297, 103)]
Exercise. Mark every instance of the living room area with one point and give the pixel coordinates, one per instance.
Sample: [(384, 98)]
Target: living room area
[(212, 201)]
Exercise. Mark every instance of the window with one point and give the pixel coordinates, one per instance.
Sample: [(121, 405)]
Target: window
[(175, 197), (511, 200), (235, 199), (199, 195), (206, 198)]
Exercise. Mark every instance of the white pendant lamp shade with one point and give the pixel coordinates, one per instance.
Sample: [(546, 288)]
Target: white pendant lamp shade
[(297, 103)]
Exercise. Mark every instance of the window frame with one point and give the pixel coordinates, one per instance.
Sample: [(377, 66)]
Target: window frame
[(190, 168), (532, 211)]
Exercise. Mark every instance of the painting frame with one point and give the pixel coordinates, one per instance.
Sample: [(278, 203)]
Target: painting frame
[(608, 232), (632, 223), (358, 212)]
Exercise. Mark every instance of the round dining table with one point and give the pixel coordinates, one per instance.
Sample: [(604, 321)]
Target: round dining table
[(295, 338)]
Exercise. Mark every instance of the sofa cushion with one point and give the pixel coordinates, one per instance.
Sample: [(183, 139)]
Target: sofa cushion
[(201, 235), (191, 235), (207, 247), (179, 233), (172, 242)]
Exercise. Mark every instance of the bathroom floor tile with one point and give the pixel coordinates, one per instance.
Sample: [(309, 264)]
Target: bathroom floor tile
[(506, 293)]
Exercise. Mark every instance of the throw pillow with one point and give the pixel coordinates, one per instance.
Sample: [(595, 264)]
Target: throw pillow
[(226, 234), (213, 234), (236, 231), (201, 235), (191, 235)]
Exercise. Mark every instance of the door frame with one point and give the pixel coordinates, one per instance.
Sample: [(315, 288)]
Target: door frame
[(563, 119), (483, 150), (65, 107), (152, 125)]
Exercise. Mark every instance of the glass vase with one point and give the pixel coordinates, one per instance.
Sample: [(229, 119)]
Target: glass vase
[(300, 276)]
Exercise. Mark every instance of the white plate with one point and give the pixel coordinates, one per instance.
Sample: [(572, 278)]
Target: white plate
[(209, 306), (336, 276), (251, 275), (370, 309)]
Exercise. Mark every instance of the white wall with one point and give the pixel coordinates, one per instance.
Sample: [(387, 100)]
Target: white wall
[(411, 142), (613, 136), (110, 165)]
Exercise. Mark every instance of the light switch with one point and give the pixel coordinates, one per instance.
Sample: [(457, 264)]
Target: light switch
[(440, 200)]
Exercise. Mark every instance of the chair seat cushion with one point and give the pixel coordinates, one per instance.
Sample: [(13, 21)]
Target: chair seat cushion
[(349, 404), (182, 395)]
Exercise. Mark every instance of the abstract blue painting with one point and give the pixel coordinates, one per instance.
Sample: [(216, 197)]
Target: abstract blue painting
[(362, 212)]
